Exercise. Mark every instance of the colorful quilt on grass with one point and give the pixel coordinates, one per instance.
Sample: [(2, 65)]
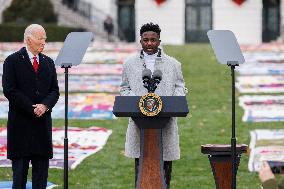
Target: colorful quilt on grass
[(82, 142), (260, 69), (87, 83), (80, 106), (265, 145), (264, 57), (262, 73), (93, 69), (262, 108), (260, 83), (86, 106), (8, 185), (90, 83)]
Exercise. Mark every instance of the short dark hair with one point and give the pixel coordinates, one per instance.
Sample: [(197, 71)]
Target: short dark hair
[(150, 27)]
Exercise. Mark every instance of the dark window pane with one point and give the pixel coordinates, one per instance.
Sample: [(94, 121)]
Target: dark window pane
[(191, 22), (205, 18), (198, 20), (205, 1), (124, 17)]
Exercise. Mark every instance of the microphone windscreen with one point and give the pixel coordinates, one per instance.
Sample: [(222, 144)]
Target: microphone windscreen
[(146, 73), (157, 74)]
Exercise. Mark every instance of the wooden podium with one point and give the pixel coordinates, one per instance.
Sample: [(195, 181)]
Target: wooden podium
[(151, 164), (221, 162)]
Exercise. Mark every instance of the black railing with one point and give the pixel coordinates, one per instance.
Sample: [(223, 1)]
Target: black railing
[(92, 13)]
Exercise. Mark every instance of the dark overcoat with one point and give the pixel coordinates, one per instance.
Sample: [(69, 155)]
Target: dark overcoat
[(27, 134)]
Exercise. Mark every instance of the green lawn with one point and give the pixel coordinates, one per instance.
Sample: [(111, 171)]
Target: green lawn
[(209, 121)]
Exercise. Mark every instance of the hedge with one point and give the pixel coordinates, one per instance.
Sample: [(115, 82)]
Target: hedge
[(27, 11), (15, 33)]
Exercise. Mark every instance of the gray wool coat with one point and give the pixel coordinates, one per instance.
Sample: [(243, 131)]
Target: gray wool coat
[(172, 84)]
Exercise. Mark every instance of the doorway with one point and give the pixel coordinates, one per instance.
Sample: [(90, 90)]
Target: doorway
[(198, 20), (126, 20), (270, 20)]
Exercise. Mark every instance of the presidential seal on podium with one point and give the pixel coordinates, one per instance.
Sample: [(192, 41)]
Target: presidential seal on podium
[(150, 104)]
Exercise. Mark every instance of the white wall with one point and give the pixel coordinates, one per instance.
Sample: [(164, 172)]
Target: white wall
[(245, 20), (101, 10), (107, 7), (169, 16)]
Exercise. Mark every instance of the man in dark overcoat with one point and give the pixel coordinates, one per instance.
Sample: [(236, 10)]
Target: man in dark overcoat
[(30, 84)]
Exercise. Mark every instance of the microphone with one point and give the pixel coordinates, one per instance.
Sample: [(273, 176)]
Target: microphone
[(151, 82), (157, 76), (146, 74), (146, 77)]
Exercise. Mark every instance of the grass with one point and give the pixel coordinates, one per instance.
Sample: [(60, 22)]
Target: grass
[(209, 121)]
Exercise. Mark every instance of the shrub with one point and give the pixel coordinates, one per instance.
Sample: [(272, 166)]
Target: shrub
[(30, 11), (12, 32)]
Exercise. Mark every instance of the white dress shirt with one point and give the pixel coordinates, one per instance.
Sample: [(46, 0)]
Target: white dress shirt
[(150, 61), (31, 56)]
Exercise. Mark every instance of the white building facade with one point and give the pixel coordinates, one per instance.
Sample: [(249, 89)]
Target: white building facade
[(186, 21), (244, 20)]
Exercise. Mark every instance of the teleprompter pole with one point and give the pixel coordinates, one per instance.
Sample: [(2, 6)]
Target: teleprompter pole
[(66, 128), (233, 139)]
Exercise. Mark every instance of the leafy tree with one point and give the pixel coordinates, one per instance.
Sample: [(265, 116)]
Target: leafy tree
[(30, 11)]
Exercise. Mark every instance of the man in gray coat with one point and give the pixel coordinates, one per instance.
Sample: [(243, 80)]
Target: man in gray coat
[(172, 84)]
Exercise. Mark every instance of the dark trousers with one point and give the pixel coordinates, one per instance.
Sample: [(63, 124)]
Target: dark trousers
[(167, 171), (20, 167)]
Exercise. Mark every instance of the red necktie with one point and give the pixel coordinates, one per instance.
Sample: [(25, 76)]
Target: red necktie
[(35, 64)]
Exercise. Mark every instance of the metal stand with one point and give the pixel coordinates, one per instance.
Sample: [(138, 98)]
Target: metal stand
[(66, 128), (71, 54), (228, 51), (233, 139)]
